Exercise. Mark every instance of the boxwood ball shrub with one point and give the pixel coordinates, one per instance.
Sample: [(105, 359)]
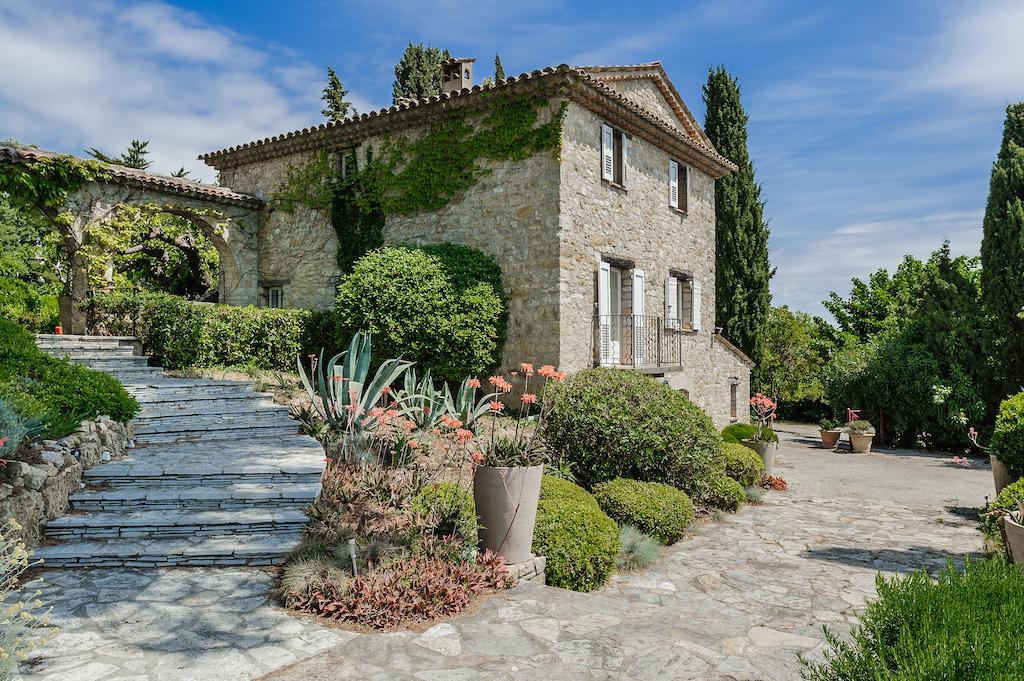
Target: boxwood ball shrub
[(742, 463), (613, 423), (965, 625), (580, 542), (1006, 500), (441, 307), (738, 432), (1008, 436), (657, 509), (726, 494)]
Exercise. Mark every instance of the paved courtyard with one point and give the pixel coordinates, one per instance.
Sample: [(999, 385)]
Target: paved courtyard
[(738, 600)]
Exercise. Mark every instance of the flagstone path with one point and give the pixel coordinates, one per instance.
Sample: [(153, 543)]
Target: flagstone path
[(738, 600)]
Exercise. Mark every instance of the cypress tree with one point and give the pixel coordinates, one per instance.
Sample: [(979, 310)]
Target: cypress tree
[(499, 70), (742, 296), (418, 72), (336, 107), (1002, 253)]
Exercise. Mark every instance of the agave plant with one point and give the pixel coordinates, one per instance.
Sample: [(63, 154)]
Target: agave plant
[(464, 405), (422, 402), (345, 396)]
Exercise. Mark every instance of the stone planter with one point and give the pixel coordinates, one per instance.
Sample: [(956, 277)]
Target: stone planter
[(829, 438), (766, 450), (1013, 534), (860, 443), (1000, 475), (506, 506)]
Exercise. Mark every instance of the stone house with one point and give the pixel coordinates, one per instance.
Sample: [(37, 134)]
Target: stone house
[(606, 242)]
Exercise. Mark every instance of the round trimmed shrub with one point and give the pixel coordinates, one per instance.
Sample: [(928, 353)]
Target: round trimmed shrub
[(657, 509), (742, 463), (452, 508), (738, 432), (1006, 500), (612, 423), (1008, 436), (726, 494), (580, 542), (421, 305)]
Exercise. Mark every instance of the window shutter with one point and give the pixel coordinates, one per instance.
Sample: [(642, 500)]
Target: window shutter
[(696, 304), (604, 289), (638, 293), (673, 184), (607, 154), (625, 157), (672, 303), (685, 199)]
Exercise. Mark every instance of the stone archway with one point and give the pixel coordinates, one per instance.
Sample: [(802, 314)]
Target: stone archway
[(229, 219)]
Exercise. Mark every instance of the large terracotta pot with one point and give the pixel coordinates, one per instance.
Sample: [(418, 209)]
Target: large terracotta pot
[(830, 438), (766, 450), (860, 443), (506, 506), (1013, 533), (1000, 475)]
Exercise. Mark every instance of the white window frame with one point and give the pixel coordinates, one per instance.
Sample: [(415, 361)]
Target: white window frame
[(609, 167), (678, 186), (271, 294)]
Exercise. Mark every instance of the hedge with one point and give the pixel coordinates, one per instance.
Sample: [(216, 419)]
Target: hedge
[(964, 625), (439, 306), (39, 385), (742, 464), (657, 509), (613, 423), (726, 494), (1008, 436), (580, 542), (28, 305), (180, 333), (738, 432)]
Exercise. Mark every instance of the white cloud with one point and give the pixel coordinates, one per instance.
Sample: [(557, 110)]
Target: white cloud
[(100, 73)]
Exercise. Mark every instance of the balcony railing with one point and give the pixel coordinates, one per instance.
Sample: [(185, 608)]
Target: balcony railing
[(637, 341)]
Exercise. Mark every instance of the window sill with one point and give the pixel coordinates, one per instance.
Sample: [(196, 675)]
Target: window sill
[(614, 185), (679, 211)]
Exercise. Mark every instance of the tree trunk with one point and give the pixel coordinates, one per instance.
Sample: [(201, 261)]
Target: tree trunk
[(78, 287)]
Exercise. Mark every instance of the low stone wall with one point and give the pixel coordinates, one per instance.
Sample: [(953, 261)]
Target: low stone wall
[(36, 488), (530, 570)]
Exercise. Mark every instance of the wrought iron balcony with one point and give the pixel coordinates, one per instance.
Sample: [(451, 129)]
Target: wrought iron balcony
[(637, 341)]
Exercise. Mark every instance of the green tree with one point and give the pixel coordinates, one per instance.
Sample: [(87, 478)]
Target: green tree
[(418, 72), (743, 271), (790, 368), (336, 107), (880, 301), (1002, 253), (136, 156), (499, 70)]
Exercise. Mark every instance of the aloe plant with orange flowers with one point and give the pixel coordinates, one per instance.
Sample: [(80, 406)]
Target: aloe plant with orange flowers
[(523, 447)]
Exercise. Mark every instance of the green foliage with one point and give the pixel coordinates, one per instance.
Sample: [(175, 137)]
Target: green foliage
[(726, 494), (964, 625), (44, 185), (1002, 251), (29, 248), (742, 464), (1008, 436), (336, 107), (738, 432), (1006, 501), (742, 269), (637, 550), (52, 389), (136, 156), (580, 542), (790, 367), (28, 305), (418, 73), (421, 305), (451, 510), (181, 334), (611, 423), (499, 70), (660, 510)]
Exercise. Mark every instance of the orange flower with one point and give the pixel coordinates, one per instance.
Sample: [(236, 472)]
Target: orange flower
[(413, 444), (547, 371), (473, 383), (496, 406), (477, 457), (527, 368), (529, 398), (464, 435), (559, 376), (386, 390), (496, 380), (408, 425), (426, 409)]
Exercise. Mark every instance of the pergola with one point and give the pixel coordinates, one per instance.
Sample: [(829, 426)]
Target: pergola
[(230, 220)]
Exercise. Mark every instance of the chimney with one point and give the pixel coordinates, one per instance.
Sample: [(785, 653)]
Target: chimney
[(456, 74)]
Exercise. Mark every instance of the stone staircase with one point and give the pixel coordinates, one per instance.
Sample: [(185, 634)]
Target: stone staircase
[(219, 475)]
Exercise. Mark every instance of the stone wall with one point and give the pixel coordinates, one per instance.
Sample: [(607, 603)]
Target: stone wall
[(636, 223), (37, 488), (297, 249)]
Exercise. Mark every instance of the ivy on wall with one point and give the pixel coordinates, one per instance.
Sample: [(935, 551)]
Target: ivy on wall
[(44, 184), (405, 175)]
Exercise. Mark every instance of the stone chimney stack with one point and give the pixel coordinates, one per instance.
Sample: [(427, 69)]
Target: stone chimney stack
[(456, 74)]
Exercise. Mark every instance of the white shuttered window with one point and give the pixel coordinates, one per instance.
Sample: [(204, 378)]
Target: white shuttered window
[(607, 153), (697, 294), (673, 184)]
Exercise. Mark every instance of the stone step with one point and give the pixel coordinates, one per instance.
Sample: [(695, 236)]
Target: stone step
[(260, 417), (221, 550), (242, 404), (164, 386), (175, 523), (247, 433), (113, 362), (90, 351), (228, 496), (287, 459)]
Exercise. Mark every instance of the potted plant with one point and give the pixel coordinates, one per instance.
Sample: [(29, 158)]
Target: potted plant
[(506, 483), (1013, 534), (763, 441), (861, 435), (828, 429)]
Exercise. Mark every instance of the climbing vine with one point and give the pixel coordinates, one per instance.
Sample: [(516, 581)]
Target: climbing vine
[(404, 175), (44, 184)]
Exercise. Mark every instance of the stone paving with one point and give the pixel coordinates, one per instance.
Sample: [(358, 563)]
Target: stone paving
[(738, 600)]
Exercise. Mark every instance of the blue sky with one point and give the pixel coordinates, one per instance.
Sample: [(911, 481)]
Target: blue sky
[(873, 125)]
